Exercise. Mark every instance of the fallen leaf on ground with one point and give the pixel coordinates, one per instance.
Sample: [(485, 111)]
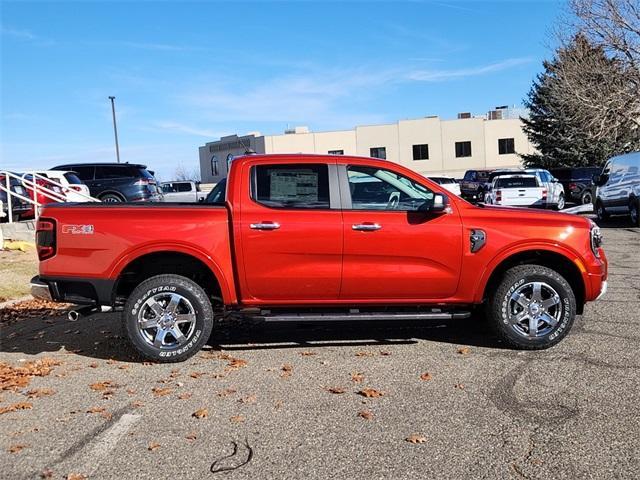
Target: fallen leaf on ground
[(111, 361), (102, 386), (459, 386), (278, 404), (365, 354), (196, 374), (16, 406), (426, 376), (287, 370), (416, 438), (237, 419), (76, 476), (153, 446), (201, 413), (93, 365), (307, 354), (248, 399), (14, 378), (184, 396), (357, 377), (371, 393), (46, 473), (137, 404), (226, 392), (40, 392), (464, 350), (336, 390), (385, 353), (124, 366), (96, 410), (131, 391), (366, 414), (17, 448), (161, 392), (191, 436)]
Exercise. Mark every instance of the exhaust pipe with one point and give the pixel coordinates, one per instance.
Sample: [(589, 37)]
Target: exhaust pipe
[(74, 315)]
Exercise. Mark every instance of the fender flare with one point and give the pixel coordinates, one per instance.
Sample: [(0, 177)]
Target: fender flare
[(512, 250), (227, 286)]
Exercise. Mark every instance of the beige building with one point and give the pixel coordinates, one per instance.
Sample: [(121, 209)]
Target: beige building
[(430, 145)]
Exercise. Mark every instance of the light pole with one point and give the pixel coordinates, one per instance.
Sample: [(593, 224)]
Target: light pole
[(115, 128)]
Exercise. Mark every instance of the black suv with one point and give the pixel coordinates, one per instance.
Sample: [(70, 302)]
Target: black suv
[(473, 185), (117, 182), (577, 183)]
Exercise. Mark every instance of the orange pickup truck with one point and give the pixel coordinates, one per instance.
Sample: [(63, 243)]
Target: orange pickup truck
[(313, 237)]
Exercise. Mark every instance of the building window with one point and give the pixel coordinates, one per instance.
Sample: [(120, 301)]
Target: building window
[(336, 152), (506, 145), (378, 152), (463, 149), (421, 152)]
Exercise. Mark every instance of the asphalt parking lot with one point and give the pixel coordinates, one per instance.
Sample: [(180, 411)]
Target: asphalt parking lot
[(289, 401)]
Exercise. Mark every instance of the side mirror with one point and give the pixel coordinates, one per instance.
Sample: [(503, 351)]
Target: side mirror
[(600, 180), (437, 204)]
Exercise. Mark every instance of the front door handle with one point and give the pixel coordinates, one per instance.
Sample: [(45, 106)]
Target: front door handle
[(265, 226), (366, 227)]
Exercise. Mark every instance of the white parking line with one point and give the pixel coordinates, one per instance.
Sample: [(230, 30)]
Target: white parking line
[(98, 450)]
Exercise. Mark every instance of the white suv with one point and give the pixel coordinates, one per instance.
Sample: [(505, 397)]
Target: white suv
[(74, 189)]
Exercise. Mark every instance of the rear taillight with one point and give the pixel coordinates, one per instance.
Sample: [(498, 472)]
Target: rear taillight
[(77, 188), (498, 196), (573, 186), (46, 238), (544, 194), (142, 181)]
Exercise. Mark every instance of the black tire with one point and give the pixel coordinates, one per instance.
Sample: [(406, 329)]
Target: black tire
[(634, 211), (586, 197), (601, 213), (193, 303), (111, 198), (501, 303)]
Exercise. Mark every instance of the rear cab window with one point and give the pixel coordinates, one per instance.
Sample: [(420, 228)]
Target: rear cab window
[(516, 182), (291, 186)]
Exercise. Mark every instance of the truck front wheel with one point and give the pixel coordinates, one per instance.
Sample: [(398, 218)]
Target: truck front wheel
[(168, 318), (533, 307)]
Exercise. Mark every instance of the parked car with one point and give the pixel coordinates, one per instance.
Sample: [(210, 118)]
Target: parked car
[(36, 191), (618, 191), (296, 239), (517, 191), (473, 185), (577, 183), (20, 208), (555, 190), (182, 191), (72, 187), (449, 183), (116, 182)]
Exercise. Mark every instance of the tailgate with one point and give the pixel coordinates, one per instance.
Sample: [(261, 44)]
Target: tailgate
[(521, 196)]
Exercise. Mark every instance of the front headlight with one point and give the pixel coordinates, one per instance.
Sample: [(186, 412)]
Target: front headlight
[(596, 239)]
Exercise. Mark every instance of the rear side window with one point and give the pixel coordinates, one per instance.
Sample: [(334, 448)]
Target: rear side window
[(106, 172), (85, 173), (518, 182), (292, 186), (72, 178), (183, 187)]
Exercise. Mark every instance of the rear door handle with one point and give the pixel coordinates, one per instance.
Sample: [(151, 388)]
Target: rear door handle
[(265, 226), (366, 227)]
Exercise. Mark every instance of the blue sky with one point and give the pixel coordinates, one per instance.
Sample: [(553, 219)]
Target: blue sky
[(186, 73)]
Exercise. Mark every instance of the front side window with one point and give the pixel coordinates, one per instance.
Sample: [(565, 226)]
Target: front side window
[(85, 173), (375, 188), (421, 152), (292, 186), (378, 152), (506, 146), (463, 149)]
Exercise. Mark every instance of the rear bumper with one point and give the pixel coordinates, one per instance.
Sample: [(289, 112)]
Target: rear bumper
[(81, 291)]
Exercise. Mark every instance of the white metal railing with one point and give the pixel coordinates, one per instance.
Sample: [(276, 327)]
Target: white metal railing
[(31, 184)]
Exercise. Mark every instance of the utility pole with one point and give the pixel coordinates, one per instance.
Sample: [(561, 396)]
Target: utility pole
[(115, 128)]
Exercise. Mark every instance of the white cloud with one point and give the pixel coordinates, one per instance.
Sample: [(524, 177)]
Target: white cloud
[(175, 127), (445, 75), (25, 36)]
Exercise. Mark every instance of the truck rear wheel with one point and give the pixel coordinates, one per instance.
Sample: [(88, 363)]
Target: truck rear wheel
[(168, 318), (533, 307)]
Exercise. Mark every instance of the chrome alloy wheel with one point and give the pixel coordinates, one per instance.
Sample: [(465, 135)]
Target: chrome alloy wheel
[(166, 320), (534, 309)]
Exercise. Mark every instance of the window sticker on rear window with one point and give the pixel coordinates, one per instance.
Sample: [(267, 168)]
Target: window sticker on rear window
[(298, 185)]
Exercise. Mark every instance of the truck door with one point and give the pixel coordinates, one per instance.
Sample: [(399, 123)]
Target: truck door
[(290, 230), (393, 251)]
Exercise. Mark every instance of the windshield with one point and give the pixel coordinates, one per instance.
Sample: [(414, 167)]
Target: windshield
[(218, 194)]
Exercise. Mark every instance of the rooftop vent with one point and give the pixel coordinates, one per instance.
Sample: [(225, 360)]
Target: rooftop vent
[(294, 130)]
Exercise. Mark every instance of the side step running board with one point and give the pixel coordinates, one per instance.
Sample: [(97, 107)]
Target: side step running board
[(326, 317)]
